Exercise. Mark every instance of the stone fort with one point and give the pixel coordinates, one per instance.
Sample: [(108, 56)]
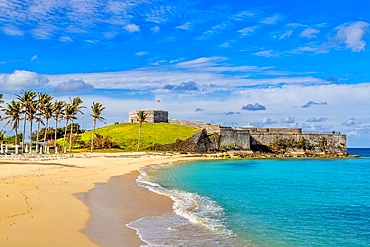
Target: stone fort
[(214, 137)]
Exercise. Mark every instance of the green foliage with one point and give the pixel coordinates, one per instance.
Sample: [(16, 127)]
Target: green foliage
[(125, 134), (302, 143), (11, 139), (102, 142)]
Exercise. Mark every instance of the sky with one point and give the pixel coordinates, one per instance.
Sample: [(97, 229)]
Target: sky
[(301, 64)]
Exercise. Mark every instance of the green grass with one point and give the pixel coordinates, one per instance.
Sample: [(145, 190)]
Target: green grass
[(126, 134)]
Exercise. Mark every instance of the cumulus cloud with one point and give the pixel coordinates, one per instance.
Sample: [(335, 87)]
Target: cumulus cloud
[(265, 121), (231, 113), (315, 127), (199, 109), (353, 35), (22, 80), (316, 120), (131, 28), (288, 119), (73, 86), (254, 107), (350, 122), (312, 103), (185, 86), (309, 33)]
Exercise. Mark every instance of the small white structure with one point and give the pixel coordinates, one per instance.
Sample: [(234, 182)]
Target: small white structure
[(153, 116)]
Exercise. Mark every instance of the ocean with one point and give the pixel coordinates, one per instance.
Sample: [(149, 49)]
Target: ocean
[(261, 202)]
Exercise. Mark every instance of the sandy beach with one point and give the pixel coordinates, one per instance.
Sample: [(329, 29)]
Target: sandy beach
[(49, 202)]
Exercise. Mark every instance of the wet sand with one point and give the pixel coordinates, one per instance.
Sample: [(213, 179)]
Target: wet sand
[(40, 205), (114, 204)]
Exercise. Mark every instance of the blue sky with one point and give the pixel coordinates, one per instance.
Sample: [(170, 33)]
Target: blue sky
[(256, 63)]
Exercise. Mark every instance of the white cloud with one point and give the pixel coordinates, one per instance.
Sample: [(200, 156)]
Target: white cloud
[(272, 19), (141, 53), (186, 26), (309, 33), (268, 53), (247, 31), (155, 29), (44, 31), (12, 30), (21, 79), (352, 35), (65, 39), (73, 86), (287, 34), (288, 119), (131, 28), (34, 58)]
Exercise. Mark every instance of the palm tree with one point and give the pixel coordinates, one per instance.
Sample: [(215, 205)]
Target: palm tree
[(13, 112), (96, 108), (42, 101), (31, 116), (67, 116), (58, 114), (1, 101), (141, 118), (48, 114), (26, 99), (76, 108)]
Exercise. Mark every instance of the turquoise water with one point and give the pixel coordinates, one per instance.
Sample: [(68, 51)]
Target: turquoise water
[(268, 202)]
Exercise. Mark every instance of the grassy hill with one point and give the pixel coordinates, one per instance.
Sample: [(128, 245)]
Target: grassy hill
[(126, 134)]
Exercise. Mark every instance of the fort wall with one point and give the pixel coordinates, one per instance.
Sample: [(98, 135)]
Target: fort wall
[(153, 116)]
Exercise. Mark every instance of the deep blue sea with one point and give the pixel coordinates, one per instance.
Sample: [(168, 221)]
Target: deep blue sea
[(262, 202)]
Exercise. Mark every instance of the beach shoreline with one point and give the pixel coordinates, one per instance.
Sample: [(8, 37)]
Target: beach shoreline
[(42, 204)]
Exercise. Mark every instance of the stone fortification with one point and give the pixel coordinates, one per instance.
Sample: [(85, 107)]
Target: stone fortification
[(153, 116), (310, 144), (274, 130), (281, 141), (210, 128), (219, 138)]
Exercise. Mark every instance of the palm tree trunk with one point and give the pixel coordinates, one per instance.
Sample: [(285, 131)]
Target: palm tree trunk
[(70, 137), (56, 127), (37, 136), (16, 140), (31, 136), (92, 136), (46, 129), (138, 142), (24, 131), (65, 134)]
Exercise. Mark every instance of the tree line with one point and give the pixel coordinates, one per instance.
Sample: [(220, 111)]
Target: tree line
[(31, 107)]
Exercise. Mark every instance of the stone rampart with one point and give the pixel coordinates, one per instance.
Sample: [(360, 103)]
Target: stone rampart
[(274, 130), (332, 144), (210, 128)]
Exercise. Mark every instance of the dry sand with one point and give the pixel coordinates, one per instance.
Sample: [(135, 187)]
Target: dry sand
[(42, 203)]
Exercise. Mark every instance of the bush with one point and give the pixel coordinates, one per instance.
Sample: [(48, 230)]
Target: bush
[(101, 142)]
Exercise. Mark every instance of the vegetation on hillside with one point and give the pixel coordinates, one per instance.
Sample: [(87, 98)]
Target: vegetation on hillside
[(125, 134)]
